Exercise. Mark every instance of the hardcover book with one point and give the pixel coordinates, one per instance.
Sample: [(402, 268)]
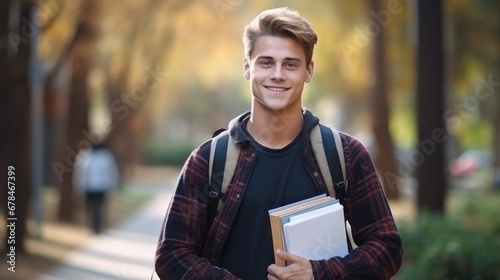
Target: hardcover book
[(313, 228)]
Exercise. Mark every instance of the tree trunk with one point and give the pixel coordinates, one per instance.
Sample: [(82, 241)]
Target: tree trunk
[(77, 132), (384, 156), (15, 119), (77, 123), (429, 154)]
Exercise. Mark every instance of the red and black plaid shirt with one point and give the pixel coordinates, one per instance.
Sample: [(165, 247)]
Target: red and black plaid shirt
[(188, 249)]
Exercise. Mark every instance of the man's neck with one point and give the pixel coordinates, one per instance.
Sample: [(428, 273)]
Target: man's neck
[(275, 129)]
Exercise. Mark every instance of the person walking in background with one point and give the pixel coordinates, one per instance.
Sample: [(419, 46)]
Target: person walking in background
[(95, 176)]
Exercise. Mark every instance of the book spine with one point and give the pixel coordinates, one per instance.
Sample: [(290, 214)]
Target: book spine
[(277, 234)]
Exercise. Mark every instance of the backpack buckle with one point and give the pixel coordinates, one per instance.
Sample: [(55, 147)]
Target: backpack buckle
[(341, 186), (213, 194)]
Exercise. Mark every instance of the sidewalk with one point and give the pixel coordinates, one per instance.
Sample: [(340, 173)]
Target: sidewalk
[(125, 252)]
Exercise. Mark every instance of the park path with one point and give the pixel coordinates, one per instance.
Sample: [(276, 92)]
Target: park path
[(125, 252)]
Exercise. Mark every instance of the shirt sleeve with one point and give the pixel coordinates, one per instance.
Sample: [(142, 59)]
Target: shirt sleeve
[(184, 230), (379, 253)]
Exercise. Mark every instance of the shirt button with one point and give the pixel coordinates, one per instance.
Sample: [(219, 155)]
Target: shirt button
[(315, 174), (238, 196)]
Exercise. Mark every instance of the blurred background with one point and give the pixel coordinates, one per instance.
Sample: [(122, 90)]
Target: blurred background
[(418, 82)]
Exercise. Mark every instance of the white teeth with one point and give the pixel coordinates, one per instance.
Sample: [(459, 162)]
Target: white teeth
[(276, 89)]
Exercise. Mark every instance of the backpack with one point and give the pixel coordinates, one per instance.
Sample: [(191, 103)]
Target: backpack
[(327, 147)]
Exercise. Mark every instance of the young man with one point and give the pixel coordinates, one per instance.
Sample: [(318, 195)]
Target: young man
[(276, 167)]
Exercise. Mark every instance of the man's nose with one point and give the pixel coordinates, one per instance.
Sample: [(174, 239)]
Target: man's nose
[(278, 74)]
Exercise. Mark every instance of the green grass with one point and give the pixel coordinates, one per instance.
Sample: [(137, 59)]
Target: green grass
[(463, 244)]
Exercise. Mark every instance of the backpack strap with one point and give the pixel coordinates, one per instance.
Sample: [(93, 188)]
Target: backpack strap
[(224, 154), (319, 152), (329, 153)]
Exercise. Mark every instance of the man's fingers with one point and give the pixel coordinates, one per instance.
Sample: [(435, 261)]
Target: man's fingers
[(297, 268), (291, 258)]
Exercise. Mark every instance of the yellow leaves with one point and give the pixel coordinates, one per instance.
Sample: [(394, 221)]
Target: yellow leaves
[(56, 20), (199, 43), (356, 61), (206, 50)]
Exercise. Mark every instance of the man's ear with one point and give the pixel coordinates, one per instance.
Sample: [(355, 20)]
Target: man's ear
[(309, 71), (246, 69)]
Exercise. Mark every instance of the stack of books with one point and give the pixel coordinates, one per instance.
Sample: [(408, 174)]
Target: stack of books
[(313, 228)]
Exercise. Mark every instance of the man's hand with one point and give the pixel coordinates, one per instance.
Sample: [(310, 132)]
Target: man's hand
[(298, 268)]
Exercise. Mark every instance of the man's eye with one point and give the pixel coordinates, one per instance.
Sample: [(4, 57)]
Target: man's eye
[(266, 63), (290, 65)]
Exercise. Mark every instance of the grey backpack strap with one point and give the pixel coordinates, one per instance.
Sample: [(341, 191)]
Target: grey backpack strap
[(232, 156), (327, 147), (216, 164), (224, 154), (319, 152)]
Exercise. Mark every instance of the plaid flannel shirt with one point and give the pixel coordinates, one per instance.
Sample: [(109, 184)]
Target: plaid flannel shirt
[(188, 249)]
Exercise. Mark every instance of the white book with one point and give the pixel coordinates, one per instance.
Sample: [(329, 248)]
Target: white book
[(317, 234)]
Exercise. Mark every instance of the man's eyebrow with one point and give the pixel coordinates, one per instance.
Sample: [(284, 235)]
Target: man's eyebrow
[(266, 57), (293, 59)]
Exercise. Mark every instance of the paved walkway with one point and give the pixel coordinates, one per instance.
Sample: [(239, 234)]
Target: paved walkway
[(125, 252)]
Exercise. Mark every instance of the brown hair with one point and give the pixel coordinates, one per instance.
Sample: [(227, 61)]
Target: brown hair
[(281, 22)]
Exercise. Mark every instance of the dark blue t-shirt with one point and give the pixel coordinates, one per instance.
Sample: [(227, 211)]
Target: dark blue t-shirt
[(279, 178)]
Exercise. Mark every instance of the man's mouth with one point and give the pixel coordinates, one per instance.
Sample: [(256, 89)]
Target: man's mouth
[(277, 89)]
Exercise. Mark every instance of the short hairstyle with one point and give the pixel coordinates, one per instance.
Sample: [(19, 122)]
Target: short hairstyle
[(280, 22)]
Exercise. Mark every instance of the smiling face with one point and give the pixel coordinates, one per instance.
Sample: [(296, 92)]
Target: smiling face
[(277, 72)]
